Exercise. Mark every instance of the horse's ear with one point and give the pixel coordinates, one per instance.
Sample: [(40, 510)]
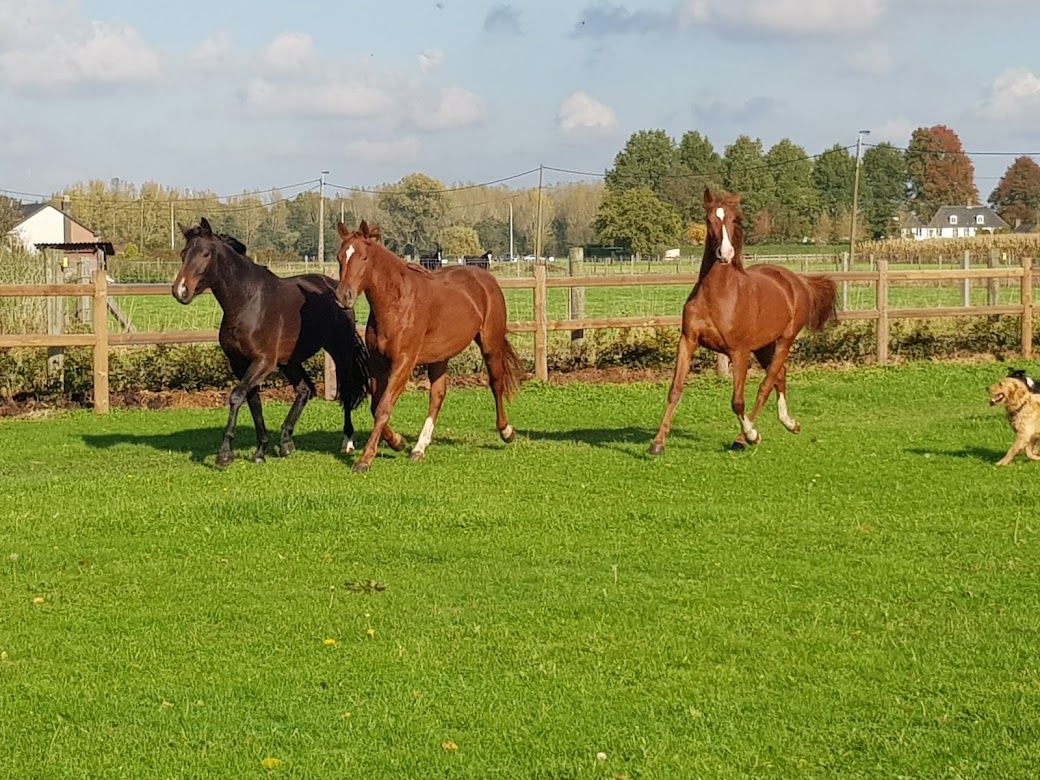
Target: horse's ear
[(708, 198), (206, 229), (363, 228), (342, 230), (184, 230)]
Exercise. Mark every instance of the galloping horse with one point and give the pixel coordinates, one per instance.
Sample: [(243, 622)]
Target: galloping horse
[(271, 323), (737, 312), (422, 317)]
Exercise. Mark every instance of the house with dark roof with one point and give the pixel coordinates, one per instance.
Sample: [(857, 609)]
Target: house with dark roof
[(42, 223), (960, 222)]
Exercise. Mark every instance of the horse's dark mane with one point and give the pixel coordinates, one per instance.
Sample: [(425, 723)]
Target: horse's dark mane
[(197, 232)]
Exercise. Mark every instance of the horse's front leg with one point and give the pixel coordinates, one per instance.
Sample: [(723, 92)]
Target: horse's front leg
[(305, 390), (256, 409), (748, 434), (438, 373), (391, 388), (380, 378), (688, 342), (250, 381)]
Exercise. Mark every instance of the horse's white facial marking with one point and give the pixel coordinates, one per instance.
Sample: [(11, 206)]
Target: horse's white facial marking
[(350, 251), (725, 251), (425, 437), (720, 213), (182, 290)]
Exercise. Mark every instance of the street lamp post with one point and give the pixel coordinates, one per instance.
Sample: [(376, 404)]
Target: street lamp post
[(855, 199), (321, 219)]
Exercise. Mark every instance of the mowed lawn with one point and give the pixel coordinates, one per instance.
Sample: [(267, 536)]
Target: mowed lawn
[(860, 600)]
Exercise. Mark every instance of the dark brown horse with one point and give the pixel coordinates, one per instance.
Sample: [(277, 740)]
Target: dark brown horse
[(422, 317), (269, 324), (739, 312)]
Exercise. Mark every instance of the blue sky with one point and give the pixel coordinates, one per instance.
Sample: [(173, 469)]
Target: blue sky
[(233, 96)]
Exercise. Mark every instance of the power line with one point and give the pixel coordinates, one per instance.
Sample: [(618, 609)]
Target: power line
[(460, 188)]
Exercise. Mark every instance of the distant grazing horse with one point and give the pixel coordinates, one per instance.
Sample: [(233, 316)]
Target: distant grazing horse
[(269, 324), (737, 312), (422, 317)]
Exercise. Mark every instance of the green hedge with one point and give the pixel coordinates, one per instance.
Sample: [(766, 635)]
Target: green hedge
[(195, 367)]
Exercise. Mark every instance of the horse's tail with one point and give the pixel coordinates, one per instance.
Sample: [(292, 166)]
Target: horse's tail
[(823, 295), (351, 365), (512, 370)]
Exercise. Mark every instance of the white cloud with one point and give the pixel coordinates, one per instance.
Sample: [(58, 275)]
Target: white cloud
[(100, 54), (583, 112), (430, 60), (290, 52), (455, 107), (401, 150), (216, 53), (896, 131), (786, 17), (310, 100), (1014, 95), (872, 59)]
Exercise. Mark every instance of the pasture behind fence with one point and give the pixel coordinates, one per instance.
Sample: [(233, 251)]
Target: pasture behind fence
[(100, 293)]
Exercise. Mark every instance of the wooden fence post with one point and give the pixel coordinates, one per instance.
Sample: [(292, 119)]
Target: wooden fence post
[(99, 315), (1027, 307), (541, 324), (966, 297), (991, 286), (882, 311), (576, 299), (844, 282)]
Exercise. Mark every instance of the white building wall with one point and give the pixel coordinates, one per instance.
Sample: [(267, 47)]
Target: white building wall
[(47, 226)]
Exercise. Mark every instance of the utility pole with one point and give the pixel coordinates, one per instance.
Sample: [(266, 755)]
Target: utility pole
[(855, 199), (510, 231), (538, 224), (321, 219), (171, 226)]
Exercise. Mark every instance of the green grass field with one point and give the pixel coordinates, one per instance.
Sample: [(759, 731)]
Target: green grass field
[(860, 600)]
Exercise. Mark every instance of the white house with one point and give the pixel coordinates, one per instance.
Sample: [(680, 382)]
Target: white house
[(959, 222), (43, 224)]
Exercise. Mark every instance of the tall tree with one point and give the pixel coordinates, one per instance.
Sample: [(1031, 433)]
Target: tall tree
[(648, 159), (700, 167), (940, 173), (746, 172), (832, 176), (1017, 196), (415, 210), (795, 200), (638, 220), (10, 214), (882, 189)]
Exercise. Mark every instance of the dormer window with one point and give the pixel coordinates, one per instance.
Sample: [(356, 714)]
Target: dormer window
[(953, 219), (980, 219)]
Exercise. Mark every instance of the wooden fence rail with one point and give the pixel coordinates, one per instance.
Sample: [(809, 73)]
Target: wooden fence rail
[(101, 340)]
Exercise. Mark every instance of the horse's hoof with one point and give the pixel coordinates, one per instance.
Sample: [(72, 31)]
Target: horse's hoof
[(656, 449), (796, 428), (737, 446), (286, 450), (417, 455), (347, 446), (259, 458), (225, 459), (508, 433), (360, 468)]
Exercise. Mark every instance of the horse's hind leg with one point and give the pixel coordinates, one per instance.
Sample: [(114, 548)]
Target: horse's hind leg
[(765, 359), (305, 390), (688, 343), (498, 368), (386, 391), (438, 373), (748, 433), (776, 376)]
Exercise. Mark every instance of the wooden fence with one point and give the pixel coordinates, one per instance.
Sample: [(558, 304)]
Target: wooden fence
[(101, 340)]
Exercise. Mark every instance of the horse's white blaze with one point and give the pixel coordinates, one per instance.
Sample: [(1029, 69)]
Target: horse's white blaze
[(720, 213), (182, 289), (781, 412), (350, 251), (726, 250), (425, 436)]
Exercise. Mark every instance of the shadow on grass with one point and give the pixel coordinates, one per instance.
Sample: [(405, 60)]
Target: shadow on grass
[(201, 444), (618, 439), (983, 454)]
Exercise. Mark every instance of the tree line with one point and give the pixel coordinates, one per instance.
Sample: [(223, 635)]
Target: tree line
[(648, 201)]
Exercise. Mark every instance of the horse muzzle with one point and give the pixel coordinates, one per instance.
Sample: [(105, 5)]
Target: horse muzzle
[(345, 298), (182, 292)]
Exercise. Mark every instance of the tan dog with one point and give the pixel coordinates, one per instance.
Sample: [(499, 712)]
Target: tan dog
[(1023, 413)]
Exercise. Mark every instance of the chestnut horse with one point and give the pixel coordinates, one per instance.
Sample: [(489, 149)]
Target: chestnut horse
[(269, 324), (422, 317), (739, 312)]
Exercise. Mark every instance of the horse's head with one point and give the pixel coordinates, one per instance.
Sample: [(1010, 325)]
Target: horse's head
[(354, 265), (724, 221), (202, 247)]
